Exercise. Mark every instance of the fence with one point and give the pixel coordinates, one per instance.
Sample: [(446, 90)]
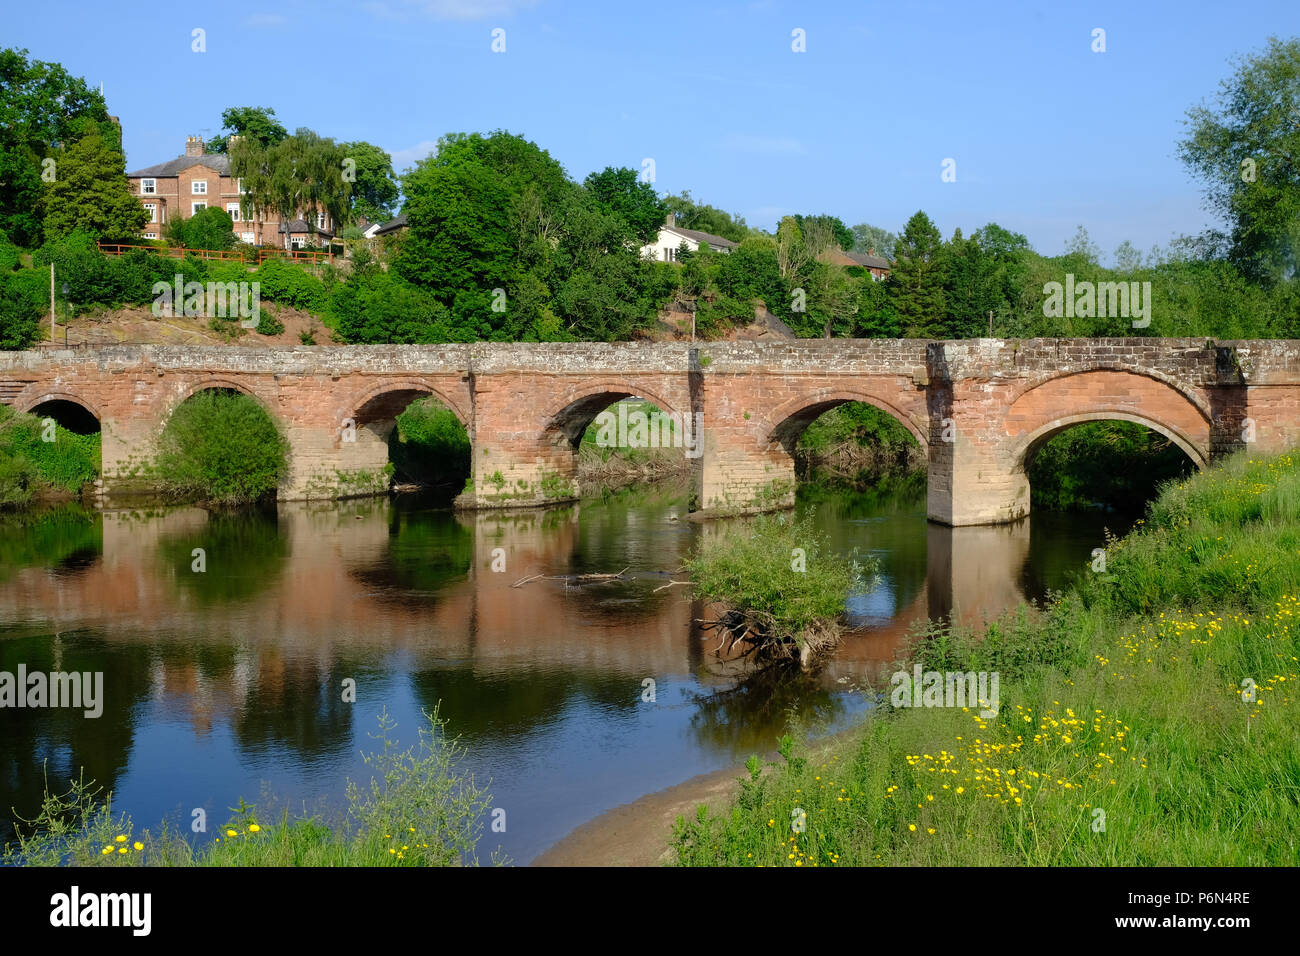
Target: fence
[(310, 256)]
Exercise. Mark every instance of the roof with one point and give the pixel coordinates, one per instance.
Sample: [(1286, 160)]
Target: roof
[(398, 222), (217, 162), (300, 225), (705, 237), (870, 262)]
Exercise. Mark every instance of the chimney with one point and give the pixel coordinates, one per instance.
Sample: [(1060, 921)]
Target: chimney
[(871, 251), (194, 146), (671, 220)]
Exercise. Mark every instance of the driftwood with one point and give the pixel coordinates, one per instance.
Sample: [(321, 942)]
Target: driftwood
[(572, 577), (664, 587)]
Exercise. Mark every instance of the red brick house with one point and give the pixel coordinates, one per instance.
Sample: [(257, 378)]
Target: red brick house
[(181, 187)]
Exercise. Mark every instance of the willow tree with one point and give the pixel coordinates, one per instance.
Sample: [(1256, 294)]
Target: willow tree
[(295, 177)]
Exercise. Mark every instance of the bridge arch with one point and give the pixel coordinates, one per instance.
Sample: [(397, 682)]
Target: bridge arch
[(579, 406), (1057, 403), (220, 384), (791, 418), (383, 402), (70, 410)]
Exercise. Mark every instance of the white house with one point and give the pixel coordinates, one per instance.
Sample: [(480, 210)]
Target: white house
[(671, 236)]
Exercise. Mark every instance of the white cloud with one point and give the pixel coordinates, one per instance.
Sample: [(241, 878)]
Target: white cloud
[(403, 158)]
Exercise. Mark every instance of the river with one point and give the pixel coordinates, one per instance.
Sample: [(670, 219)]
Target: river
[(227, 683)]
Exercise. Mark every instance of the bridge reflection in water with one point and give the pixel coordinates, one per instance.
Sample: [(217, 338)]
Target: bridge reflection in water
[(219, 681)]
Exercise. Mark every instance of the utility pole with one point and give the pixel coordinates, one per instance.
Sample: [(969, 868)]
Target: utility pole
[(990, 323), (51, 304)]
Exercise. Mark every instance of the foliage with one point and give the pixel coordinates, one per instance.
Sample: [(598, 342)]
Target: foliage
[(220, 447), (294, 177), (210, 228), (417, 809), (20, 314), (29, 465), (1245, 150), (705, 218), (43, 109), (1125, 695), (916, 281), (430, 444), (622, 193), (374, 192), (257, 124), (748, 567), (90, 192), (1110, 464)]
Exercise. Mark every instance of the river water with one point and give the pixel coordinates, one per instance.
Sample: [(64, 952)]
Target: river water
[(228, 683)]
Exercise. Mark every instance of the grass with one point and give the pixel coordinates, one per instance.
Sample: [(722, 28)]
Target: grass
[(416, 810), (1147, 717)]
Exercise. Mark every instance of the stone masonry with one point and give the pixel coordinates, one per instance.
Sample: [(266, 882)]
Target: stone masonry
[(979, 408)]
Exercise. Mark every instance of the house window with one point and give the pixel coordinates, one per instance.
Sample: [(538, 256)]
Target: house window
[(199, 187), (295, 242), (246, 237), (148, 187), (151, 235), (320, 220), (233, 209), (196, 206), (152, 210), (239, 184)]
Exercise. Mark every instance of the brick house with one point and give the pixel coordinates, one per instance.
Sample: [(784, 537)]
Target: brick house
[(181, 187)]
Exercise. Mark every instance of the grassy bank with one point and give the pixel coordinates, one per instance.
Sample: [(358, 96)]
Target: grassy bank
[(1146, 717), (416, 810), (33, 468)]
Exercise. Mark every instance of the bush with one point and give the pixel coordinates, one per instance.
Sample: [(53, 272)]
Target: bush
[(429, 443), (210, 228), (20, 317), (292, 285), (28, 464), (221, 447), (752, 568)]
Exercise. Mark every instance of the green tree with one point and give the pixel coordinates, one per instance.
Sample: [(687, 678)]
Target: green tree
[(20, 315), (622, 193), (294, 177), (916, 283), (42, 109), (374, 190), (873, 240), (705, 218), (1246, 150), (840, 234), (91, 192), (210, 228), (255, 123)]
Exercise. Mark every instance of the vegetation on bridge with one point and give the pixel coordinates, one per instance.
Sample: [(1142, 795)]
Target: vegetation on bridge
[(32, 468)]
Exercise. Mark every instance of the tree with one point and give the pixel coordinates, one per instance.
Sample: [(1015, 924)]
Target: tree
[(830, 226), (210, 228), (294, 177), (622, 193), (20, 315), (916, 282), (1082, 249), (873, 240), (374, 190), (705, 218), (255, 123), (791, 251), (1127, 257), (91, 192), (1247, 152), (42, 109)]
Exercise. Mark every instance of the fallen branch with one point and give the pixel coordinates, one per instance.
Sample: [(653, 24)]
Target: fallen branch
[(664, 587), (531, 577)]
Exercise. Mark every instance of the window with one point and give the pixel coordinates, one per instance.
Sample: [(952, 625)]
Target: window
[(233, 209), (151, 235), (148, 187), (152, 209), (199, 187), (320, 220), (246, 237), (239, 184), (196, 206), (296, 242)]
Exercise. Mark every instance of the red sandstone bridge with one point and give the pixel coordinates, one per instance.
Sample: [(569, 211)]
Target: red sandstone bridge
[(979, 408)]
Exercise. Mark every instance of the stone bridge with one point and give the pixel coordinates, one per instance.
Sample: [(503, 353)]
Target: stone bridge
[(979, 408)]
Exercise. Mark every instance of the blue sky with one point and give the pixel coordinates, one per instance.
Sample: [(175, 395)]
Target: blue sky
[(1046, 134)]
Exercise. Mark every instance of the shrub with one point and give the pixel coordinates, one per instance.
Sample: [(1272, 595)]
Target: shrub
[(20, 317), (28, 464), (221, 447), (292, 285), (429, 443), (752, 568)]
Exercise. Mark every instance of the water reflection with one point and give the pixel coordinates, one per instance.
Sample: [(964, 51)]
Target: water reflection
[(221, 680)]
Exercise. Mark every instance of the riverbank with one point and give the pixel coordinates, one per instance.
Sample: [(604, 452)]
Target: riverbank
[(1145, 717)]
